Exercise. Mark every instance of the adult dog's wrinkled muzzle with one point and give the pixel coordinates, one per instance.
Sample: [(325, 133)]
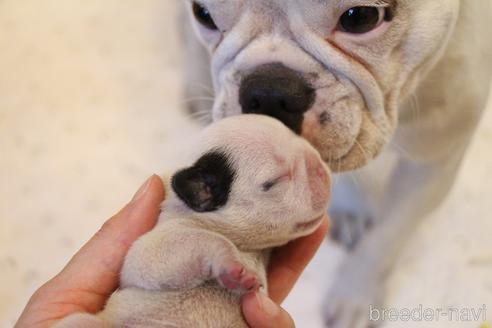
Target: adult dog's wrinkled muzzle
[(334, 72), (277, 91)]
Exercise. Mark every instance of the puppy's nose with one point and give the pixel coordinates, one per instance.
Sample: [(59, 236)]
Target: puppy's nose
[(277, 91)]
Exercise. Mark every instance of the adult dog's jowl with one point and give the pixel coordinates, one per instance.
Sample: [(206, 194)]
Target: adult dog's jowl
[(388, 91)]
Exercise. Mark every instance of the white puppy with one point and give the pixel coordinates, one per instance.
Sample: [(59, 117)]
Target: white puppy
[(254, 185), (407, 79)]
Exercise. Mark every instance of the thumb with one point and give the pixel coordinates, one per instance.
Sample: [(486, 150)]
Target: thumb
[(261, 312), (97, 265), (92, 275)]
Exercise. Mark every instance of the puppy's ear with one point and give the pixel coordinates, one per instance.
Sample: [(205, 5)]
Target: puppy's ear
[(205, 186)]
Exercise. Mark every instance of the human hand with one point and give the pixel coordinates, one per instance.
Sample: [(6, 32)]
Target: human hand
[(92, 275), (286, 265)]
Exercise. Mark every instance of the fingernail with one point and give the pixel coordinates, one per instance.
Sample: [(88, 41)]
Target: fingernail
[(142, 190), (267, 305)]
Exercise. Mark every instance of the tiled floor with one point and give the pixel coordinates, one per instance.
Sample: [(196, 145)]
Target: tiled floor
[(89, 107)]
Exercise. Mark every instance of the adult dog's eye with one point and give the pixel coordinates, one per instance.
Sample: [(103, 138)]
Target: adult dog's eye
[(359, 20), (203, 16)]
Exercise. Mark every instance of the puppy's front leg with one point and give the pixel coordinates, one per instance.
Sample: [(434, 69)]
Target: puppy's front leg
[(182, 258)]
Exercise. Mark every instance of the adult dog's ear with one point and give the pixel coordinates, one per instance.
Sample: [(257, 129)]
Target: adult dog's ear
[(205, 186)]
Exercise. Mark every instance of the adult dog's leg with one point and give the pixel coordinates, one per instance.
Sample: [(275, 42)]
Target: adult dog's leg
[(356, 197), (361, 278), (451, 99), (351, 211), (415, 189)]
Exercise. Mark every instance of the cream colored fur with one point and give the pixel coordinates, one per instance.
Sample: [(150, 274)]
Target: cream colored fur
[(403, 102), (179, 274)]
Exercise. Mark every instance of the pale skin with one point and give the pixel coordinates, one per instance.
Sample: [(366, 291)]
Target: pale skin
[(92, 275)]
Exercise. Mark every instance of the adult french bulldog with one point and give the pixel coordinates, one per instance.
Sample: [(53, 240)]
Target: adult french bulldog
[(403, 79), (254, 185)]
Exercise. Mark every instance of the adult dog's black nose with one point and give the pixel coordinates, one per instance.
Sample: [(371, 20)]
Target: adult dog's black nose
[(277, 91)]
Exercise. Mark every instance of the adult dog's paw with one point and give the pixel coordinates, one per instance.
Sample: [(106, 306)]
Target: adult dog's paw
[(347, 227), (347, 306)]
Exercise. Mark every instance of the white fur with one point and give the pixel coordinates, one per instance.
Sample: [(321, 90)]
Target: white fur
[(172, 276), (412, 91)]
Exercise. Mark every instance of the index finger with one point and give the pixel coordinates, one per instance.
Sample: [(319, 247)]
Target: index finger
[(288, 262)]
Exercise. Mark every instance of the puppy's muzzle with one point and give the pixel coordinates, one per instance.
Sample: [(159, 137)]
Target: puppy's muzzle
[(277, 91)]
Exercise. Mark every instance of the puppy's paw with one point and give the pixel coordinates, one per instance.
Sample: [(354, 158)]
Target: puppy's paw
[(235, 276), (347, 227), (346, 307)]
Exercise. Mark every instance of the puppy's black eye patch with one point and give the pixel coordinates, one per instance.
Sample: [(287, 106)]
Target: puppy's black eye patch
[(203, 16), (205, 187)]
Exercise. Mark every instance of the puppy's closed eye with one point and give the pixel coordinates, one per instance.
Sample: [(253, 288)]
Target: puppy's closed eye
[(269, 184)]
